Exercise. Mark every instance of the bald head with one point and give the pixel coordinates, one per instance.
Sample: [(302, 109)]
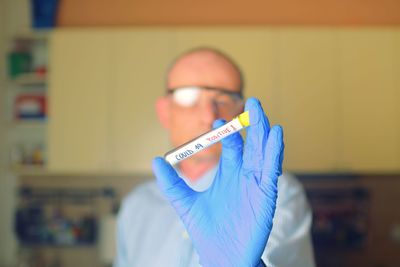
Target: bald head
[(205, 67)]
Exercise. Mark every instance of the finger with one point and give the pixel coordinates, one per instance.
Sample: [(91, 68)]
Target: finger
[(173, 187), (273, 160), (256, 139), (232, 147), (218, 123)]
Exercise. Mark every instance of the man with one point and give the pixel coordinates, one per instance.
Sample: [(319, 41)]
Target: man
[(204, 85)]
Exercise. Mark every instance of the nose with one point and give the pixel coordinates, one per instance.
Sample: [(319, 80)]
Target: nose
[(208, 111)]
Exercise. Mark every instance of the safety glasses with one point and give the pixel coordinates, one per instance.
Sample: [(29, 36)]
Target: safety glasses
[(189, 96)]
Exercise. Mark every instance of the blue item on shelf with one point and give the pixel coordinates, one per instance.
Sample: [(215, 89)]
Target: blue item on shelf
[(44, 13)]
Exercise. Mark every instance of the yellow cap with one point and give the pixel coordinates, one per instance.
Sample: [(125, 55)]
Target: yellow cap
[(244, 118)]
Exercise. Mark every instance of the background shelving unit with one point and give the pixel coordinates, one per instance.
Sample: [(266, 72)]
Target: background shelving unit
[(16, 24), (26, 102)]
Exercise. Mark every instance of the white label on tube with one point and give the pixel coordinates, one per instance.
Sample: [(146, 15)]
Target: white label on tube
[(204, 141)]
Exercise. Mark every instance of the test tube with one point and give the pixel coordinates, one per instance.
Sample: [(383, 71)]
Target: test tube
[(207, 139)]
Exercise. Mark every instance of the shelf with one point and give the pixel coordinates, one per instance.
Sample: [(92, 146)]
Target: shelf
[(30, 34), (28, 123), (42, 171), (58, 246), (31, 170), (30, 79)]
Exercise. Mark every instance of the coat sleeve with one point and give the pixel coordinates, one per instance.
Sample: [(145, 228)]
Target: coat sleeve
[(290, 241)]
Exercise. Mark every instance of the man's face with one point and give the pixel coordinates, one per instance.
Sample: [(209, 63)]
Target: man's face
[(192, 111)]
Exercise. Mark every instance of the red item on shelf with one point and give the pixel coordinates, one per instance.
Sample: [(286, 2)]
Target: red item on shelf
[(30, 106), (41, 71)]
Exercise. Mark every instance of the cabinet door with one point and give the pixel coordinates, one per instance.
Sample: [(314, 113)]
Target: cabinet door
[(396, 73), (306, 92), (251, 48), (369, 100), (292, 73), (142, 58), (80, 78)]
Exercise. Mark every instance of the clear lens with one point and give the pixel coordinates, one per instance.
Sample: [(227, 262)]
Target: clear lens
[(224, 102), (187, 96)]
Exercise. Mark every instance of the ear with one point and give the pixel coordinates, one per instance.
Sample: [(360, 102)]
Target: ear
[(163, 111)]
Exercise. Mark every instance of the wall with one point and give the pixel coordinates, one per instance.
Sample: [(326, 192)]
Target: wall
[(181, 12)]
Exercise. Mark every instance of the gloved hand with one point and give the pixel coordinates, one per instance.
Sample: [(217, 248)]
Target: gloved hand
[(230, 223)]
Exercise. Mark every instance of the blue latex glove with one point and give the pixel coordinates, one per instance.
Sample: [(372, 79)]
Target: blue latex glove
[(230, 223)]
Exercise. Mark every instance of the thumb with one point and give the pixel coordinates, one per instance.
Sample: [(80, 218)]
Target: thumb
[(171, 185)]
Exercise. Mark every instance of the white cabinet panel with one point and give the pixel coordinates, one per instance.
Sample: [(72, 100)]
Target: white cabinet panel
[(78, 137), (292, 72), (307, 97), (335, 91), (252, 48), (368, 100), (142, 58), (396, 73)]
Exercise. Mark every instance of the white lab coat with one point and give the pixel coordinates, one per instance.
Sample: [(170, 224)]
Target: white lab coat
[(150, 234)]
